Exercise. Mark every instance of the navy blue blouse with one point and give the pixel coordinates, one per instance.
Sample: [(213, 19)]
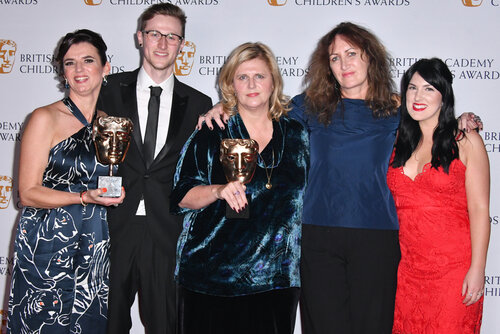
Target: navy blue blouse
[(347, 185), (231, 257)]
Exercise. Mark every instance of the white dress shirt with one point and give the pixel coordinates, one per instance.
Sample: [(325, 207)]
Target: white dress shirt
[(143, 94)]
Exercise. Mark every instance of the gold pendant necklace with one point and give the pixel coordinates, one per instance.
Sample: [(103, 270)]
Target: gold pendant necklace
[(268, 174)]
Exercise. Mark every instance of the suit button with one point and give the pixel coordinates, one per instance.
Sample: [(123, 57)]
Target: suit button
[(146, 176)]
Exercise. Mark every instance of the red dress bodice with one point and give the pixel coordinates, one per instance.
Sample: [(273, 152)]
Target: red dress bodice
[(435, 252)]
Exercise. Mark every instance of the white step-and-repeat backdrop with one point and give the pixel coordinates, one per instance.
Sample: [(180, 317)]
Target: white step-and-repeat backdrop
[(465, 33)]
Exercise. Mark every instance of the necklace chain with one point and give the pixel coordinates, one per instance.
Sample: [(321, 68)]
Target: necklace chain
[(268, 174)]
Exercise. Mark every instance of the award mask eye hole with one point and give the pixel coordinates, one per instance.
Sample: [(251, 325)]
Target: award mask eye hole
[(122, 135), (248, 157), (106, 134), (231, 157)]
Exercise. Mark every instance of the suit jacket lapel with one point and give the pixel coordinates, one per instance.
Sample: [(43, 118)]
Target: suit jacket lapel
[(129, 98), (179, 105)]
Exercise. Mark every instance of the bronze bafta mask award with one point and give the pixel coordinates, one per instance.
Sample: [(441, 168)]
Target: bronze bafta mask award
[(111, 139), (239, 159)]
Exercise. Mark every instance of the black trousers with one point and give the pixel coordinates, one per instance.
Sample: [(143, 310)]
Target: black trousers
[(139, 266), (348, 280), (271, 312)]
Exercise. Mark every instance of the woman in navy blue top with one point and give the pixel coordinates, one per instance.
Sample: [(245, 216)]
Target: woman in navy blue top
[(350, 248)]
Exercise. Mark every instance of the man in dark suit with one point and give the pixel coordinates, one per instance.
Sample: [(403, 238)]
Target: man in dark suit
[(143, 232)]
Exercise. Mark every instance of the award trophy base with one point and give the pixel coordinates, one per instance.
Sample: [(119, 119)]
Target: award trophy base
[(113, 184), (243, 214)]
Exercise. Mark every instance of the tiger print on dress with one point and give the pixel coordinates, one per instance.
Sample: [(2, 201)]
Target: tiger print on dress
[(46, 305), (90, 284)]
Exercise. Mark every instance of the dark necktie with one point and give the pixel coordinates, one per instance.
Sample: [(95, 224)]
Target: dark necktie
[(151, 126)]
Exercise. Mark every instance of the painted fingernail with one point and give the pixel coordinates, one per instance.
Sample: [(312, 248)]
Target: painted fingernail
[(104, 190)]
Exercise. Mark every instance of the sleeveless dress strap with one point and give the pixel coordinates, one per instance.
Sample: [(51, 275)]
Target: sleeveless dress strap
[(75, 111)]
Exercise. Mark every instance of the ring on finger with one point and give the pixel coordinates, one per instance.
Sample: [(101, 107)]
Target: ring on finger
[(236, 193), (470, 294)]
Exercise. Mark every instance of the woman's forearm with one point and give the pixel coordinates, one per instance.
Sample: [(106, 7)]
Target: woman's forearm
[(201, 196)]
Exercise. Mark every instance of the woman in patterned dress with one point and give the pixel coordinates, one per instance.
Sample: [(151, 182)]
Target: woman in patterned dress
[(60, 275)]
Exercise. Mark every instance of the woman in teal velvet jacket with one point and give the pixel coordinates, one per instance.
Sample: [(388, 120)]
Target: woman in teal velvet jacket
[(242, 275)]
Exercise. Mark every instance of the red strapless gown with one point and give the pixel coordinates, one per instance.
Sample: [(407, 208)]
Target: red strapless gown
[(435, 252)]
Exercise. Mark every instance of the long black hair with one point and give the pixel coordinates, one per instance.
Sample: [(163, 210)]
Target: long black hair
[(444, 139)]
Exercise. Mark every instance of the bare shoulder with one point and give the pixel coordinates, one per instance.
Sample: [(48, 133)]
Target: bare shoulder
[(47, 114), (470, 140), (44, 122), (471, 145)]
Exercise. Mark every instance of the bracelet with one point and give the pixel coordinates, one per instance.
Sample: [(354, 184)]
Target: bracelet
[(83, 192), (215, 192)]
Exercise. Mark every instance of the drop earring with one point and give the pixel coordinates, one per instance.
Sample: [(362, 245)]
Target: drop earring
[(66, 84), (105, 80)]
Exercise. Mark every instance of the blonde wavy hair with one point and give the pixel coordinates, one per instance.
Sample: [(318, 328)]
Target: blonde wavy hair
[(278, 102)]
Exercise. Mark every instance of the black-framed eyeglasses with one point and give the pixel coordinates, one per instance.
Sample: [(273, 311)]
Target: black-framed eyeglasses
[(155, 36)]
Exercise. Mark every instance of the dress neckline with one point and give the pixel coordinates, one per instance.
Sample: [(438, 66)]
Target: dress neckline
[(425, 170), (236, 129)]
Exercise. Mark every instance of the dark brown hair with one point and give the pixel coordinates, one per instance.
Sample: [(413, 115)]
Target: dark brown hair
[(76, 37), (323, 90)]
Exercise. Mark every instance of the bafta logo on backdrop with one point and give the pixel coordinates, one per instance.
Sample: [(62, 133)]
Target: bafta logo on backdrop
[(277, 2), (93, 2), (5, 191), (472, 3), (7, 55), (185, 60)]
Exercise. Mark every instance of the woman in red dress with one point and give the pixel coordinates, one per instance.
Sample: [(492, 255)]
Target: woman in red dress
[(440, 181)]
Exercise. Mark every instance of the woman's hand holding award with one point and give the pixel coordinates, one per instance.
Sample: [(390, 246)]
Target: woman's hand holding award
[(111, 137), (239, 159)]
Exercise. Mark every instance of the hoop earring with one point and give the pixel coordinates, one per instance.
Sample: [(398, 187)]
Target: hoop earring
[(66, 84), (105, 80)]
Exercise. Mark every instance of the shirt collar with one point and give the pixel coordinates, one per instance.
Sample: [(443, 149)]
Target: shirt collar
[(144, 81)]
